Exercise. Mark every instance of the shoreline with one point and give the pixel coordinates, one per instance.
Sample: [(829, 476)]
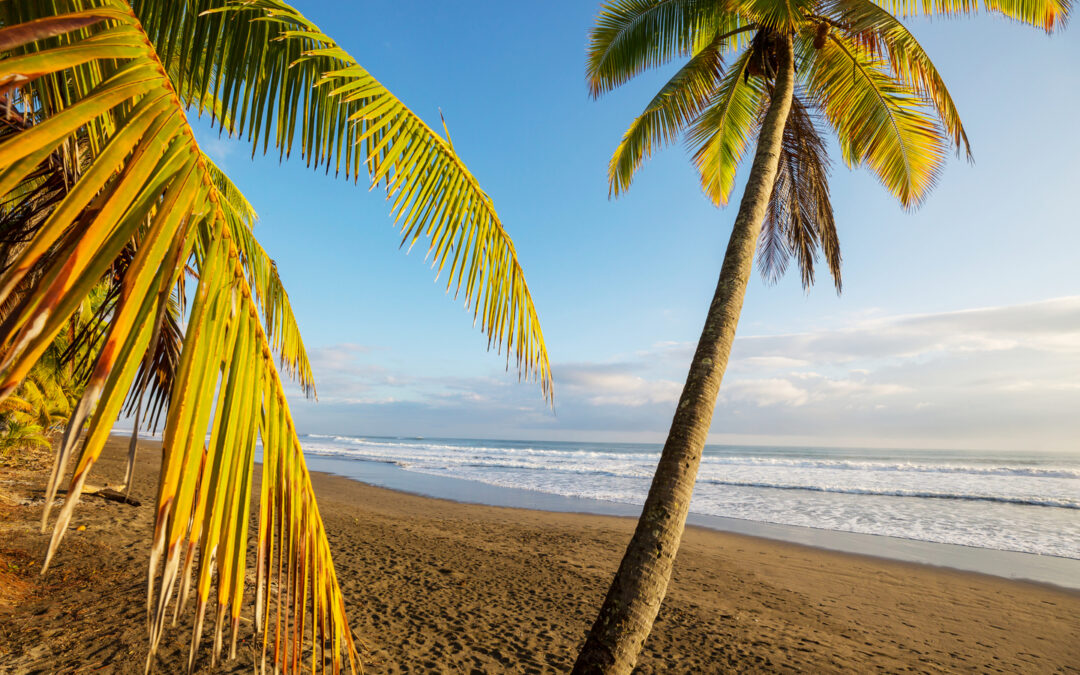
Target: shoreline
[(1055, 571), (437, 586)]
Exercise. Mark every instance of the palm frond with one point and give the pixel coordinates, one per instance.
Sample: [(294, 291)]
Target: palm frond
[(882, 35), (799, 220), (282, 80), (879, 122), (632, 36), (1046, 14), (29, 202), (721, 133), (149, 187), (20, 434), (152, 388), (778, 17), (280, 322), (273, 301), (677, 104), (232, 198), (14, 405)]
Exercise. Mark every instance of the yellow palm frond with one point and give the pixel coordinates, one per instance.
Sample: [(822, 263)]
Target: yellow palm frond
[(677, 104), (879, 122), (14, 405), (233, 199), (1046, 14), (721, 133), (283, 81), (881, 34), (632, 36), (280, 322), (150, 184)]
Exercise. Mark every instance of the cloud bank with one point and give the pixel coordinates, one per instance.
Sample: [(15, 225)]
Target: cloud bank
[(993, 378)]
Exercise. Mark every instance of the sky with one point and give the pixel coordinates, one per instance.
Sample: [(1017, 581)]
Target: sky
[(958, 327)]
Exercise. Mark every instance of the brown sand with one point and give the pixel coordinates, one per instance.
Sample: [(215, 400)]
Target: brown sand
[(436, 586)]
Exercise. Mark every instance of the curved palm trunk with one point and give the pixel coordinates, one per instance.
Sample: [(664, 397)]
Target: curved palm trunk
[(634, 598)]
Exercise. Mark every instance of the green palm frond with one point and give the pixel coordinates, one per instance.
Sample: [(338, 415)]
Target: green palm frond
[(799, 221), (720, 134), (19, 434), (781, 17), (632, 36), (202, 100), (879, 123), (283, 81), (150, 187), (677, 103), (1046, 14), (884, 36)]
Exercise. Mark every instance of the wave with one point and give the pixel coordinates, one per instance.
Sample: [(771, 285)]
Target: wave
[(474, 465), (922, 494), (633, 465), (901, 467), (955, 497), (452, 452)]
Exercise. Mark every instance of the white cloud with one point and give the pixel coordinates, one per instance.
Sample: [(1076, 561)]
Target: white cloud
[(761, 393), (1004, 377), (602, 385), (1051, 325), (769, 363)]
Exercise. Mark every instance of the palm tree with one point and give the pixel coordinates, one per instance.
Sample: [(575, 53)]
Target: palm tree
[(793, 65), (18, 429), (109, 186)]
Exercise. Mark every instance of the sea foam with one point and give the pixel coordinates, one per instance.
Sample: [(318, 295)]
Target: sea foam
[(1010, 501)]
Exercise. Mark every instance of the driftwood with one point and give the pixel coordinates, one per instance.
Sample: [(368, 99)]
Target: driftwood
[(114, 495), (108, 493)]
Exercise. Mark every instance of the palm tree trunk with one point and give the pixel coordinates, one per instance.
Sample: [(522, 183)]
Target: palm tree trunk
[(634, 598)]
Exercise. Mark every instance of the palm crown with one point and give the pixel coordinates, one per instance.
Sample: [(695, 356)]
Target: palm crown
[(858, 70), (103, 183)]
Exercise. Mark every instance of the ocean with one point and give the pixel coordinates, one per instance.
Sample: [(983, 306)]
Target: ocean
[(1009, 501)]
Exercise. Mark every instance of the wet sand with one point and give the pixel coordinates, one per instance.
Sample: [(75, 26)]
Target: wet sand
[(438, 586)]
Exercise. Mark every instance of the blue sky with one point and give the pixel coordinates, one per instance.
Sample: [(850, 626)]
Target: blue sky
[(621, 286)]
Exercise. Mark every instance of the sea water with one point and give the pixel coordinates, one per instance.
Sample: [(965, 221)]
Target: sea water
[(1011, 501)]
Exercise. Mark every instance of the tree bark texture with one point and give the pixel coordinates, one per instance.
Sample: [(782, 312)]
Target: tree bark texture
[(626, 617)]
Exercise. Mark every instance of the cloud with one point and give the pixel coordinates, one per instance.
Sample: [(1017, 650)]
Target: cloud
[(1003, 377), (767, 392), (1051, 325), (614, 384), (769, 363)]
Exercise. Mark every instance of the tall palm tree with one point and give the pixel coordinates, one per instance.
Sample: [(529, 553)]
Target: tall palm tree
[(792, 66), (100, 90)]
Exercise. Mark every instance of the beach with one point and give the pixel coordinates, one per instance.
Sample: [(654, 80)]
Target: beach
[(439, 586)]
